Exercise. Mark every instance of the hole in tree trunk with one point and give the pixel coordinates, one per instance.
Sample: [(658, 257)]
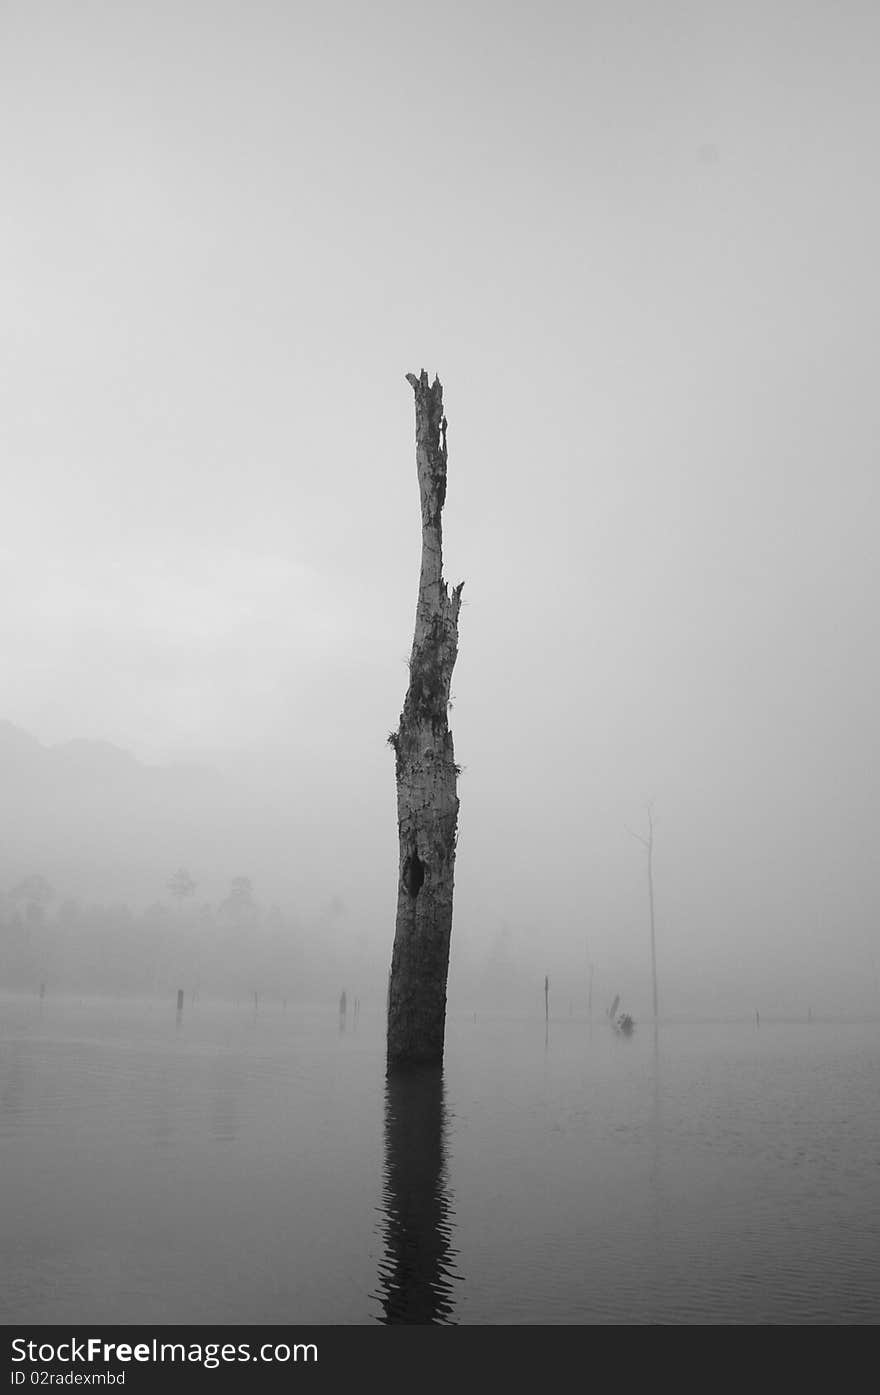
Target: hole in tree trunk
[(413, 874)]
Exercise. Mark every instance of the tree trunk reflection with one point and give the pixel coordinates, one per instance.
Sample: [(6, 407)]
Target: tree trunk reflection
[(416, 1272)]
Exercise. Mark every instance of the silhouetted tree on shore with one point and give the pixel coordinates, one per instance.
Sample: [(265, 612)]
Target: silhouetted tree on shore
[(181, 885)]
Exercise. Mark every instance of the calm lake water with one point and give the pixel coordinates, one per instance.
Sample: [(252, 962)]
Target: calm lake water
[(253, 1168)]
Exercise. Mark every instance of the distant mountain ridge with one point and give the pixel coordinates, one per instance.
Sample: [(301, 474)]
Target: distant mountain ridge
[(102, 826), (95, 819), (18, 747)]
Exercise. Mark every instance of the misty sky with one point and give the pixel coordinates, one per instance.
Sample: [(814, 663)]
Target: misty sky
[(637, 242)]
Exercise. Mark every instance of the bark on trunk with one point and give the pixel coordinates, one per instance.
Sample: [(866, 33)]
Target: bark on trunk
[(427, 801)]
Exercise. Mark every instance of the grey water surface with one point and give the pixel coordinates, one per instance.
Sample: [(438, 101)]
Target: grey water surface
[(251, 1165)]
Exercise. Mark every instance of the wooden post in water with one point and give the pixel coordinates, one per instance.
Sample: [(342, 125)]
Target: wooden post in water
[(546, 998), (180, 1000)]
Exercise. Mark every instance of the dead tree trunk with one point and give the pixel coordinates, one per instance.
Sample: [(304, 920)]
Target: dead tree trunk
[(427, 800)]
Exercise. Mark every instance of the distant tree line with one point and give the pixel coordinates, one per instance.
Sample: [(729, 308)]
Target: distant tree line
[(233, 948)]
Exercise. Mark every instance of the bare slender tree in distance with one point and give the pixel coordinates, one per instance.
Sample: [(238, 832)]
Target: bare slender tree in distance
[(648, 844)]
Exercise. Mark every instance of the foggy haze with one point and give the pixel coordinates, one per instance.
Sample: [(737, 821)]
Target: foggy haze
[(638, 247)]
